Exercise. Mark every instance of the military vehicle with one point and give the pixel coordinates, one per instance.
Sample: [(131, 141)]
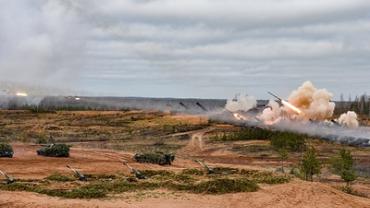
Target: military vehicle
[(137, 173), (206, 167), (78, 174), (8, 178), (201, 106), (6, 150), (54, 150), (159, 158)]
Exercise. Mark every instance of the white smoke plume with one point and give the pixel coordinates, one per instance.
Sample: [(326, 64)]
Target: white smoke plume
[(348, 119), (310, 104), (355, 136), (271, 114), (314, 103), (42, 43), (241, 103)]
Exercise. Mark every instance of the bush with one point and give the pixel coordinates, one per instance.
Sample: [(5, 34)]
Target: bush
[(82, 193), (189, 180), (343, 165), (247, 133), (6, 150), (224, 170), (288, 140), (17, 186), (155, 157), (41, 140), (54, 150), (283, 154), (151, 173), (193, 172), (264, 177), (310, 165), (297, 173), (219, 186), (349, 190), (59, 177), (121, 186), (279, 140)]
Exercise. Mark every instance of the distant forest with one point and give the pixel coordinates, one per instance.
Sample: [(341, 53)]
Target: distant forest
[(360, 104)]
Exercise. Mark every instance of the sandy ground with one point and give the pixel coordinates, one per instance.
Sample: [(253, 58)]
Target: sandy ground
[(27, 165), (292, 195)]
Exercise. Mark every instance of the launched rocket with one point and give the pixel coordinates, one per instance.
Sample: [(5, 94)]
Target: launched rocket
[(277, 97), (286, 103)]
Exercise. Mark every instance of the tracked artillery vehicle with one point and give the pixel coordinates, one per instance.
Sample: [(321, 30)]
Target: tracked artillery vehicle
[(54, 150), (208, 169), (77, 174), (159, 158), (6, 150), (8, 178), (136, 173)]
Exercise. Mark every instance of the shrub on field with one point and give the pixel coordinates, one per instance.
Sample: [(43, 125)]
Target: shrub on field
[(219, 186), (343, 165), (193, 172), (279, 140), (247, 133), (264, 177), (59, 177), (288, 140), (310, 165)]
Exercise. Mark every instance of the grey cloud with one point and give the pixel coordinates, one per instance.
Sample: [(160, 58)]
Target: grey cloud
[(240, 13), (202, 48), (42, 42)]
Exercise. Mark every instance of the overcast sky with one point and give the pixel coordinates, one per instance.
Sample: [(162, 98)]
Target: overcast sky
[(186, 48)]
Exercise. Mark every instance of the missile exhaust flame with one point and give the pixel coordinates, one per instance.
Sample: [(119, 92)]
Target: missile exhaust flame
[(286, 103), (290, 106), (239, 117), (21, 94)]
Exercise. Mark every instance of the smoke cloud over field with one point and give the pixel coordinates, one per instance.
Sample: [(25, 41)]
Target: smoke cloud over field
[(241, 103), (314, 103), (305, 103), (348, 119), (310, 111), (272, 113), (42, 44)]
